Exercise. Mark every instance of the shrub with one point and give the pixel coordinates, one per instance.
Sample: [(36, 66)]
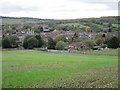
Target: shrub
[(51, 43), (6, 42), (60, 45), (40, 40), (30, 42), (113, 42)]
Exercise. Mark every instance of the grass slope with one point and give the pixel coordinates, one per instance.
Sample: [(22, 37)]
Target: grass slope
[(36, 69)]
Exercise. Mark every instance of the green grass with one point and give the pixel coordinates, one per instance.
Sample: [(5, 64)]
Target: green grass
[(99, 26), (115, 25), (111, 52), (36, 69), (17, 21), (73, 24)]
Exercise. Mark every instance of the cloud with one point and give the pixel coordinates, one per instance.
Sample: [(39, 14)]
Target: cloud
[(98, 1), (111, 4), (58, 9), (16, 8)]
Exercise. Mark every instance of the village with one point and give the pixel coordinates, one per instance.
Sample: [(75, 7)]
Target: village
[(74, 40)]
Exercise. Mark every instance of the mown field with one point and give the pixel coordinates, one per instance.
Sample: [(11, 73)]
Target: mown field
[(111, 52), (37, 69)]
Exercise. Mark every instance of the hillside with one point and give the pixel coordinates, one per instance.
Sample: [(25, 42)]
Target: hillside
[(22, 20)]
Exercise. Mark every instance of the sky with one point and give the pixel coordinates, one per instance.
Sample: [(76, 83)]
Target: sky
[(58, 9)]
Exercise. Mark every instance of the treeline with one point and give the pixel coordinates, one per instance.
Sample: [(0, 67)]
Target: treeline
[(34, 41), (59, 42)]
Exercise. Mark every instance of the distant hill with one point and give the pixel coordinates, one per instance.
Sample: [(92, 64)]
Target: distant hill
[(22, 20)]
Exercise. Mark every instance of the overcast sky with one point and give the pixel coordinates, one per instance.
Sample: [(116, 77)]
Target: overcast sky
[(58, 9)]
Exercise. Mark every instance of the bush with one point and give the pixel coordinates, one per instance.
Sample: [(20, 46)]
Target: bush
[(40, 40), (30, 42), (113, 42), (14, 41), (60, 45), (60, 38), (51, 43), (99, 41), (25, 43), (89, 43), (10, 42), (6, 42)]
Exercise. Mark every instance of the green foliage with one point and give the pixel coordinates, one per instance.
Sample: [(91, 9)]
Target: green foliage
[(30, 42), (25, 43), (113, 42), (99, 41), (60, 38), (6, 42), (14, 41), (10, 42), (40, 40), (60, 45), (103, 35), (39, 29), (26, 26), (89, 43), (51, 43)]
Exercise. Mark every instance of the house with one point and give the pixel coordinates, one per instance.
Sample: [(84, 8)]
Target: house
[(30, 32), (76, 46), (21, 38), (45, 28)]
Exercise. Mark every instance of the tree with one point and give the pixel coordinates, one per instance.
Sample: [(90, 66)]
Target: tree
[(25, 43), (99, 41), (10, 42), (60, 45), (51, 43), (39, 29), (40, 40), (6, 42), (13, 27), (75, 37), (109, 27), (103, 35), (113, 42), (89, 43), (26, 26), (14, 41), (60, 38), (32, 42)]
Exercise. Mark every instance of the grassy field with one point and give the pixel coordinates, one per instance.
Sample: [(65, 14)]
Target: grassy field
[(73, 24), (17, 21), (111, 52), (36, 69)]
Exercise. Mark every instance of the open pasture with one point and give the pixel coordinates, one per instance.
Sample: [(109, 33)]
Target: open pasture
[(37, 69)]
